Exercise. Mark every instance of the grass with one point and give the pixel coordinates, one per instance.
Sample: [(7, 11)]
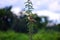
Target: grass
[(50, 35), (41, 35), (11, 35)]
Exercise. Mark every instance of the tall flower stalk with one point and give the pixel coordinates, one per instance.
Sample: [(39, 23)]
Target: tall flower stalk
[(28, 10)]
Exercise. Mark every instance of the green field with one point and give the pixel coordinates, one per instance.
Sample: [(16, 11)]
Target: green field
[(41, 35)]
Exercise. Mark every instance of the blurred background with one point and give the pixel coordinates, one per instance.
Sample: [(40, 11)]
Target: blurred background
[(14, 21)]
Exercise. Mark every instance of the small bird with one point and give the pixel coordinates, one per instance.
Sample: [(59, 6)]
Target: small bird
[(30, 18)]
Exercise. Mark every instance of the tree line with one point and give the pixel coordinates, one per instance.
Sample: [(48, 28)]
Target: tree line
[(10, 21)]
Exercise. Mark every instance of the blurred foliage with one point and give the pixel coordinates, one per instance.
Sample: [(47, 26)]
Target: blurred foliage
[(11, 35), (50, 35), (10, 21), (41, 35), (6, 18)]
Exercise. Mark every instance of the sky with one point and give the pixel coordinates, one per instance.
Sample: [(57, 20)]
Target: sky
[(50, 8)]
